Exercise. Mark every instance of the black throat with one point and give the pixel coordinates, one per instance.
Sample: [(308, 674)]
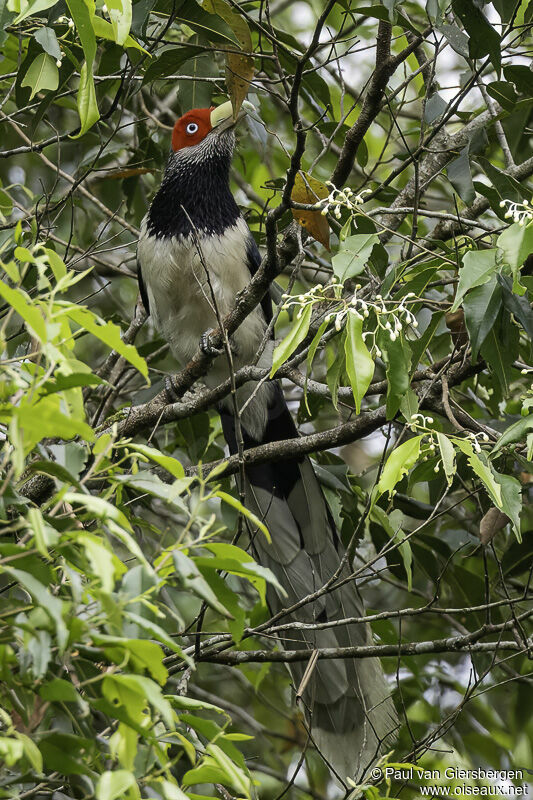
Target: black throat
[(194, 196)]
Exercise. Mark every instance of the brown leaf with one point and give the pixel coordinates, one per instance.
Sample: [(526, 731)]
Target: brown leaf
[(493, 521), (240, 68), (455, 322), (308, 190)]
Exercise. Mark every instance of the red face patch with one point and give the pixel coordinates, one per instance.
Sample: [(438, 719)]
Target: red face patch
[(191, 128)]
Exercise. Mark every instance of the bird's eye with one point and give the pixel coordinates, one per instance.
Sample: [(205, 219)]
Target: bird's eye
[(191, 128)]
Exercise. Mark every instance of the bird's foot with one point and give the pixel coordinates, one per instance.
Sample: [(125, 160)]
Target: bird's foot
[(172, 394), (207, 347)]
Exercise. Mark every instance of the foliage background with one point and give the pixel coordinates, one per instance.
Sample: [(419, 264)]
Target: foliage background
[(130, 661)]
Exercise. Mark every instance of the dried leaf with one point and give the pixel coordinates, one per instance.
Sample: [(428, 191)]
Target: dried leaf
[(455, 322), (308, 190), (493, 521), (240, 68)]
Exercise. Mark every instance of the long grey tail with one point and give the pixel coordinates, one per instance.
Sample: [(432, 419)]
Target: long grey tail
[(349, 709)]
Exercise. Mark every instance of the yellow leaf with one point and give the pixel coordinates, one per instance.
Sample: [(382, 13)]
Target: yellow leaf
[(308, 190)]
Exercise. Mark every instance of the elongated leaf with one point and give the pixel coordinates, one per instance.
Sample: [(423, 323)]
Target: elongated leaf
[(31, 315), (516, 432), (83, 14), (296, 335), (191, 578), (120, 16), (516, 244), (359, 363), (481, 307), (353, 255), (232, 501), (482, 470), (397, 465), (447, 454), (478, 268), (109, 334)]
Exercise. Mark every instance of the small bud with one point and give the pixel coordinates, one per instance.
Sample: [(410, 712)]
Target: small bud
[(71, 23), (58, 62), (436, 468), (429, 420), (392, 337)]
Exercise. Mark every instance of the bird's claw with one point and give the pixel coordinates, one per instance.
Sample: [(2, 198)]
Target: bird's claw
[(207, 347), (172, 395)]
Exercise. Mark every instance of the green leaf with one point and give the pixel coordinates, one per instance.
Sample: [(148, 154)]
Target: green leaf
[(31, 751), (124, 690), (190, 578), (83, 13), (447, 454), (33, 9), (460, 177), (120, 16), (109, 334), (104, 30), (479, 465), (87, 105), (496, 353), (143, 655), (296, 335), (48, 40), (232, 501), (484, 40), (169, 62), (516, 432), (172, 465), (481, 307), (478, 268), (516, 243), (44, 418), (51, 605), (397, 356), (106, 566), (503, 93), (511, 490), (112, 785), (59, 690), (397, 465), (359, 363), (456, 38), (19, 300), (353, 255), (45, 535)]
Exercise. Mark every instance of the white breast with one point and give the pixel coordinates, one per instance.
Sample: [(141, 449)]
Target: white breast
[(187, 281)]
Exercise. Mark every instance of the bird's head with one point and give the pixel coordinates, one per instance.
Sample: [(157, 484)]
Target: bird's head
[(203, 131)]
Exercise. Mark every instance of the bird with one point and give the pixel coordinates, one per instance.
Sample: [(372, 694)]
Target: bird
[(195, 254)]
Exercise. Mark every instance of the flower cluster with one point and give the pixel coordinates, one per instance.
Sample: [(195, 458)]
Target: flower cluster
[(341, 198), (420, 424), (391, 316), (521, 213)]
